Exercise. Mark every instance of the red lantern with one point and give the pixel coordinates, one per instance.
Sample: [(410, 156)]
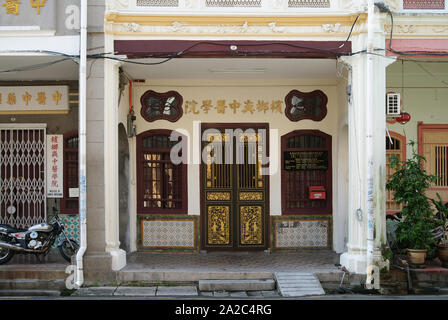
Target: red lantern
[(403, 118)]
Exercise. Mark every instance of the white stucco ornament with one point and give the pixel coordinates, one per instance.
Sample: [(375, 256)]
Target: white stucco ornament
[(353, 5), (274, 28), (131, 26), (394, 5), (117, 4), (331, 27)]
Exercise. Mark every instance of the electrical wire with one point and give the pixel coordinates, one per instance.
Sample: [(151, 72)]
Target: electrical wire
[(331, 51), (34, 67), (351, 30)]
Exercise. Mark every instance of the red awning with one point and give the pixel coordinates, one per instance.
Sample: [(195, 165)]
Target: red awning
[(230, 48)]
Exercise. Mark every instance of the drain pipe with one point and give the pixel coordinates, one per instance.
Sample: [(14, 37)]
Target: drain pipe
[(369, 143), (79, 277)]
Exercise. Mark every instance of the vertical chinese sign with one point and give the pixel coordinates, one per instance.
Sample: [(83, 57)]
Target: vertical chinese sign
[(55, 166)]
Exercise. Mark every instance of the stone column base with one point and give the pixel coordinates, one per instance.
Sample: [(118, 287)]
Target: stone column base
[(118, 259), (354, 262), (98, 268)]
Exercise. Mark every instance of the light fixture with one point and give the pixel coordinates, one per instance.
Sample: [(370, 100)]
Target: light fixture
[(238, 70)]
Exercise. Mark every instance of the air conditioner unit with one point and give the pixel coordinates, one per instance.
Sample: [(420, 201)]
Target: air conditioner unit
[(393, 104)]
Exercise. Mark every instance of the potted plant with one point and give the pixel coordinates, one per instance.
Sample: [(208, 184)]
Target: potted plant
[(442, 247), (409, 183)]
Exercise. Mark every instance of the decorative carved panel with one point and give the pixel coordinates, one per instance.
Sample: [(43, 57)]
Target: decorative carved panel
[(166, 106), (251, 224), (217, 196), (218, 225), (306, 105), (251, 196)]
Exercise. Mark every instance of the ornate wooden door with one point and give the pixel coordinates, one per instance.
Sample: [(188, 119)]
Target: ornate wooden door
[(234, 190)]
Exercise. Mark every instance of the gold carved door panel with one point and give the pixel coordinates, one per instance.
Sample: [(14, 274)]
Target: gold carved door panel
[(234, 190)]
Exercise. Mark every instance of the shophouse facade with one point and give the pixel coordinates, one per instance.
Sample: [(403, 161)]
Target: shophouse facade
[(252, 125)]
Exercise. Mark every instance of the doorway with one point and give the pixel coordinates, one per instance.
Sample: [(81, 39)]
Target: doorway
[(234, 190)]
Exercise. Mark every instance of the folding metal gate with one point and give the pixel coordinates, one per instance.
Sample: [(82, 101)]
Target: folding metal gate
[(22, 175)]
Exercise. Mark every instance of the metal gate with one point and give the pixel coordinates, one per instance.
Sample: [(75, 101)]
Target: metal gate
[(22, 175)]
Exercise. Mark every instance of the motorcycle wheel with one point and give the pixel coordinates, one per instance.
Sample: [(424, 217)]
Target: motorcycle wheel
[(5, 255), (66, 250)]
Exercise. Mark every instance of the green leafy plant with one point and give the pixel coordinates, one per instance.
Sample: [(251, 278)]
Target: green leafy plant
[(443, 212), (409, 183)]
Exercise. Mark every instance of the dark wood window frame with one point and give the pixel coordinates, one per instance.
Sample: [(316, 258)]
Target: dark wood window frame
[(70, 205), (140, 173), (398, 149), (328, 175), (308, 108), (163, 99)]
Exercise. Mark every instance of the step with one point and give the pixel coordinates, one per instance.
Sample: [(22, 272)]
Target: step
[(26, 293), (37, 271), (237, 285), (296, 284), (28, 284), (149, 275)]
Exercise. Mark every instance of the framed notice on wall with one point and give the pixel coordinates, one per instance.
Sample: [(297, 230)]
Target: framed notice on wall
[(306, 160), (55, 163), (34, 100)]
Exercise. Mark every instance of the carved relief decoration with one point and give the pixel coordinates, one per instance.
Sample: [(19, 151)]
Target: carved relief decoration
[(251, 196), (251, 225), (218, 228), (306, 105), (218, 196)]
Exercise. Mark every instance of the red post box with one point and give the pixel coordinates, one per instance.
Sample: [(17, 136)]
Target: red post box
[(317, 192)]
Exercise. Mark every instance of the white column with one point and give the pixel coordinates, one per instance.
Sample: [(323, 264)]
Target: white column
[(355, 259), (111, 194)]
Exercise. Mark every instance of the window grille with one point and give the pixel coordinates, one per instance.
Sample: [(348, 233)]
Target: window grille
[(233, 3), (424, 4), (157, 3), (309, 3), (441, 165)]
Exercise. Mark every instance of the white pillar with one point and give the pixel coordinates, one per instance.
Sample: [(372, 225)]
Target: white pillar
[(355, 259), (111, 193)]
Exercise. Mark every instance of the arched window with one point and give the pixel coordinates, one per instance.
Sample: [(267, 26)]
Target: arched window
[(396, 145), (306, 166), (70, 201), (162, 181)]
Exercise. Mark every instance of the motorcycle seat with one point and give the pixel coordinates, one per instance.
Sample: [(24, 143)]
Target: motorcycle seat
[(11, 229)]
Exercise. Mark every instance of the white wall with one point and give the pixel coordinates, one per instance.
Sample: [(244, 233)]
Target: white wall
[(332, 124)]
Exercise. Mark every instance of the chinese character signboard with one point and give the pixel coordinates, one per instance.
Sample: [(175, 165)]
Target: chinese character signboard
[(34, 99), (55, 166), (61, 16)]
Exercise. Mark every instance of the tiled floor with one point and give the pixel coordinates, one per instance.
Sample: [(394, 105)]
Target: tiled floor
[(311, 260)]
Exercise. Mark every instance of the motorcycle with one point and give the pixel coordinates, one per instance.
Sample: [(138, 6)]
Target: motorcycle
[(37, 239)]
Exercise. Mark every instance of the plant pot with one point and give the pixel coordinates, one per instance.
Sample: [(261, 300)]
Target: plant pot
[(416, 256), (442, 251)]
